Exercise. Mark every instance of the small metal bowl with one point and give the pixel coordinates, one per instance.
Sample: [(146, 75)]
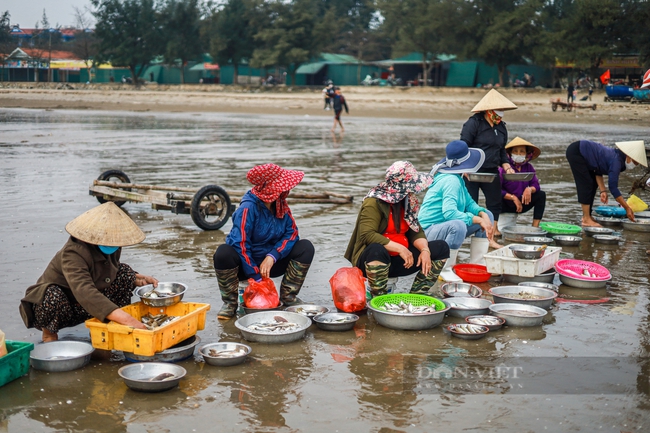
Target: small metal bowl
[(540, 285), (330, 321), (518, 177), (463, 307), (460, 290), (499, 321), (266, 337), (544, 277), (139, 376), (608, 221), (308, 310), (248, 310), (481, 177), (481, 331), (238, 354), (177, 353), (174, 292), (607, 239), (57, 356), (567, 240), (511, 313), (527, 252), (591, 231), (538, 240), (546, 300)]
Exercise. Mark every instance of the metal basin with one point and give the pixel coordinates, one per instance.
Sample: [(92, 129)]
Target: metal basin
[(406, 321), (567, 240), (518, 233), (607, 239), (538, 240), (591, 231), (259, 310), (308, 310), (463, 307), (583, 284), (644, 214), (545, 277), (223, 361), (174, 292), (545, 302), (139, 376), (58, 356), (540, 285), (177, 353), (508, 312), (461, 290), (481, 177), (527, 252), (474, 320), (518, 177), (642, 225), (270, 338), (481, 331), (608, 221), (330, 321)]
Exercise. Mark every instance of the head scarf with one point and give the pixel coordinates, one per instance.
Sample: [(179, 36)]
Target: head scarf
[(272, 185), (403, 181)]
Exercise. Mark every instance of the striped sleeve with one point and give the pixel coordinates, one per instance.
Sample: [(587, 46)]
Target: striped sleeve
[(283, 247)]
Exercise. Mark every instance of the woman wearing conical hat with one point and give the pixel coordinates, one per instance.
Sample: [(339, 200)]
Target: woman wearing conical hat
[(85, 278), (590, 161), (521, 196), (487, 131)]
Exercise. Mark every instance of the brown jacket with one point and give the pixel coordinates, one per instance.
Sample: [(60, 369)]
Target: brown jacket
[(83, 273), (371, 223)]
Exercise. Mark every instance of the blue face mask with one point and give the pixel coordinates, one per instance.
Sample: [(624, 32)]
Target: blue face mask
[(108, 250)]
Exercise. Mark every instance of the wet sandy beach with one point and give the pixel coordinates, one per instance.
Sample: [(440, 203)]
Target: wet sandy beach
[(585, 369)]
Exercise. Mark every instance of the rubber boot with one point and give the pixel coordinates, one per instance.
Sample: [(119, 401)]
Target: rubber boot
[(228, 285), (422, 284), (477, 249), (447, 273), (377, 276), (391, 285), (507, 219), (292, 281)]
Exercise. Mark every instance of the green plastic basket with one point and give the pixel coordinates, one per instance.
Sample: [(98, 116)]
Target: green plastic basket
[(16, 363), (554, 228), (413, 299)]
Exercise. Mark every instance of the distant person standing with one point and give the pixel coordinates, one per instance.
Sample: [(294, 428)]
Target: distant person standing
[(569, 93), (328, 92), (338, 102)]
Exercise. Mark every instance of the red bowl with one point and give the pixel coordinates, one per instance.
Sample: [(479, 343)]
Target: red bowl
[(471, 273)]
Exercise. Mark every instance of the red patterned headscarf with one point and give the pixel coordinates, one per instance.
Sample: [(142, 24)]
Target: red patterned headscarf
[(272, 183)]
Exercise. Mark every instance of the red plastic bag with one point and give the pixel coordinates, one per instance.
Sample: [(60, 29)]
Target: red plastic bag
[(348, 290), (261, 295)]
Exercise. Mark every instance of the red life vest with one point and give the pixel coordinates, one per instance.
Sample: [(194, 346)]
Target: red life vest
[(392, 234)]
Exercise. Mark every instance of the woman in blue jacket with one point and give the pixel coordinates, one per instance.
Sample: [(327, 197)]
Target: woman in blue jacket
[(590, 161), (264, 240)]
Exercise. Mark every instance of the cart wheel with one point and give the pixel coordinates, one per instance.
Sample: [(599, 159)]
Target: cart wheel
[(114, 176), (568, 107), (210, 207), (554, 107)]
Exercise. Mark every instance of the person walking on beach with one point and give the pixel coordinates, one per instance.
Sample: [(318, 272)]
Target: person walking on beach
[(338, 102), (328, 93), (569, 93)]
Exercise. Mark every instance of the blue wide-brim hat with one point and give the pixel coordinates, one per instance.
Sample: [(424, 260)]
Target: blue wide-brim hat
[(460, 159)]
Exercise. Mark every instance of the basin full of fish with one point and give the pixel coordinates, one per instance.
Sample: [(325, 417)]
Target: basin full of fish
[(228, 353), (279, 325), (468, 329), (153, 322), (522, 295), (485, 320), (154, 294), (407, 308), (340, 320)]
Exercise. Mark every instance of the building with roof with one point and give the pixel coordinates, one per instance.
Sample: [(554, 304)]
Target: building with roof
[(342, 69)]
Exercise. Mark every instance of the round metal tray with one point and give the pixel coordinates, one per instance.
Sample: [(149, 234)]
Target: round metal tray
[(138, 376), (58, 356), (582, 284), (642, 225), (175, 290), (517, 233), (518, 177), (266, 337), (476, 306), (481, 177), (546, 302), (514, 320), (334, 326), (224, 362)]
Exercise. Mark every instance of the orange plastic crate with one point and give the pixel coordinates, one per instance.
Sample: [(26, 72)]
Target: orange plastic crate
[(113, 336)]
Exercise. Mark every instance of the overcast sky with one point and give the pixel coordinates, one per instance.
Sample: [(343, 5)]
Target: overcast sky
[(29, 12)]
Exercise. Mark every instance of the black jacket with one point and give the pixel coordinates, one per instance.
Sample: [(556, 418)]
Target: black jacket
[(338, 102), (478, 133)]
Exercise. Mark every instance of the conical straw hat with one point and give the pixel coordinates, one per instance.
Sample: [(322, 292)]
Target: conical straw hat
[(518, 141), (494, 101), (106, 225), (646, 80), (635, 150)]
